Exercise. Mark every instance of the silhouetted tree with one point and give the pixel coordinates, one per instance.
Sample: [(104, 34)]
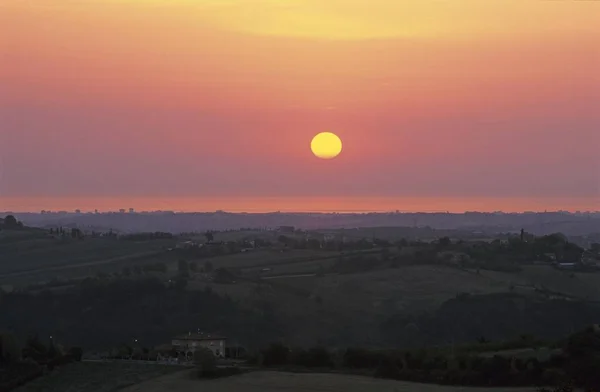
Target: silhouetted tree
[(209, 236), (205, 361), (11, 222)]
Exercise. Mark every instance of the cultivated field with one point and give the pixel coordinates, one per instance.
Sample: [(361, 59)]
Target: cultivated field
[(278, 381)]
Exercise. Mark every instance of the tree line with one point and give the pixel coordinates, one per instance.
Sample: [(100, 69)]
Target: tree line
[(576, 363)]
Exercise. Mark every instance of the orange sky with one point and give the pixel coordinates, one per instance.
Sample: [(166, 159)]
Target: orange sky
[(222, 97)]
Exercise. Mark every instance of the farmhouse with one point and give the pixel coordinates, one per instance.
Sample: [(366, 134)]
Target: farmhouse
[(187, 344), (187, 245)]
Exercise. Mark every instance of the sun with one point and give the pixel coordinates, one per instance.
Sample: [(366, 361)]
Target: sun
[(326, 145)]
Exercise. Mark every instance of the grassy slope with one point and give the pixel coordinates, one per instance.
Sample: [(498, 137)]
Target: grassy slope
[(580, 285), (278, 381), (36, 254), (315, 304), (96, 377)]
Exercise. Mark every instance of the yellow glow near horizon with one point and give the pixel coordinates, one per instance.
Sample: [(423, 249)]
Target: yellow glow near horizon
[(326, 145), (344, 19), (377, 19)]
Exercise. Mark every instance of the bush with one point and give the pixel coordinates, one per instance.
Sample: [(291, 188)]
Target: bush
[(276, 355), (388, 368), (76, 353), (317, 357), (553, 377), (357, 358)]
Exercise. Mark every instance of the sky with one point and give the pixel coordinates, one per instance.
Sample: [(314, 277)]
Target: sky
[(221, 98)]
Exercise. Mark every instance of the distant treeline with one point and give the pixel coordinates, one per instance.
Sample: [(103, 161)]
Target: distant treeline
[(146, 236)]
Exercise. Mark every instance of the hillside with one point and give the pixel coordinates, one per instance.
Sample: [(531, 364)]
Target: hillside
[(306, 382), (30, 255)]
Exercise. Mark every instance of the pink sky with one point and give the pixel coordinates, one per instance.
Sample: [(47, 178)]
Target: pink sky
[(211, 98)]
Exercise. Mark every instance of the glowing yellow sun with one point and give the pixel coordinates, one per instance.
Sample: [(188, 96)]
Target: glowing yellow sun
[(326, 145)]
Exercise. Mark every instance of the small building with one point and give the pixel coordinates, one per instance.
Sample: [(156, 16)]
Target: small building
[(187, 344), (187, 245)]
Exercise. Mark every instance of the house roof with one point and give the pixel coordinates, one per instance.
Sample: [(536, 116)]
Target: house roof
[(200, 336)]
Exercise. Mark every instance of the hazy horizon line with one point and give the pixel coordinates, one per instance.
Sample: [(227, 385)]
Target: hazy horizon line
[(300, 204)]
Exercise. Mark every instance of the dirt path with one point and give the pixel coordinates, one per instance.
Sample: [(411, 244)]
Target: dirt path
[(290, 382)]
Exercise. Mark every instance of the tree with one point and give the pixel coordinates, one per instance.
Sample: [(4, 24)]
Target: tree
[(444, 242), (180, 283), (209, 236), (52, 350), (277, 354), (183, 267), (205, 362), (10, 222), (208, 267), (193, 266), (283, 239), (522, 235), (76, 353), (319, 300), (9, 349)]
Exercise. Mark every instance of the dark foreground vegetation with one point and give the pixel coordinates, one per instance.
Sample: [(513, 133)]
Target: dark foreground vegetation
[(130, 312), (575, 361), (20, 364), (99, 313)]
